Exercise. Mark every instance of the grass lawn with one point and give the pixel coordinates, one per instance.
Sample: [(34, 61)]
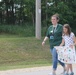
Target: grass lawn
[(21, 52)]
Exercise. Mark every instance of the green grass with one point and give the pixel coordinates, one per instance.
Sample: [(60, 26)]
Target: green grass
[(22, 52)]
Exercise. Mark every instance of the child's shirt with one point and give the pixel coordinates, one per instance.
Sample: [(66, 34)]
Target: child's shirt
[(69, 39)]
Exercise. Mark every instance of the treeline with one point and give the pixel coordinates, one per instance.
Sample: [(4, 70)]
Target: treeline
[(66, 9), (23, 11), (17, 11)]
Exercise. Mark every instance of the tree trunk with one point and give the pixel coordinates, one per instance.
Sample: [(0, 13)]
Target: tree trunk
[(12, 4), (46, 13), (7, 13)]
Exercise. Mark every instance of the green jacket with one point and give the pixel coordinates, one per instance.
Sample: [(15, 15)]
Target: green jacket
[(55, 38)]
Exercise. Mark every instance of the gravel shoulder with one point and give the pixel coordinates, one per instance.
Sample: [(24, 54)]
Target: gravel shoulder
[(34, 71)]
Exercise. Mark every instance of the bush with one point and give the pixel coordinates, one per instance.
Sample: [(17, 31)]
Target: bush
[(17, 30)]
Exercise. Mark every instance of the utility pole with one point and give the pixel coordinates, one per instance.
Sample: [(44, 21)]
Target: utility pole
[(38, 19)]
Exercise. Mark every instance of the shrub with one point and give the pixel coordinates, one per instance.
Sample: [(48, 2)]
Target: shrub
[(17, 30)]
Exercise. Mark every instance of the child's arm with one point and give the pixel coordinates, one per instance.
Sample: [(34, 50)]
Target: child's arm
[(62, 42), (74, 38)]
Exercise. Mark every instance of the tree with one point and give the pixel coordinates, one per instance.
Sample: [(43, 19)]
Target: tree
[(65, 8), (23, 11)]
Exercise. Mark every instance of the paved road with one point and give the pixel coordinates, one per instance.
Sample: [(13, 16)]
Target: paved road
[(34, 71)]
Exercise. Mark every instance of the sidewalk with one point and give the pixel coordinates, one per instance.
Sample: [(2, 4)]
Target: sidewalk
[(34, 71)]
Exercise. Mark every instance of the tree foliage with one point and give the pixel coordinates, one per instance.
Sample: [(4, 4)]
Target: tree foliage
[(17, 11), (23, 11), (65, 8)]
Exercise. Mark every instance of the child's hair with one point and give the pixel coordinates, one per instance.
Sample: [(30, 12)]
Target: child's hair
[(68, 28), (56, 15)]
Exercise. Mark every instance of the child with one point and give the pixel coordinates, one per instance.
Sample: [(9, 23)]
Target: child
[(68, 40)]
